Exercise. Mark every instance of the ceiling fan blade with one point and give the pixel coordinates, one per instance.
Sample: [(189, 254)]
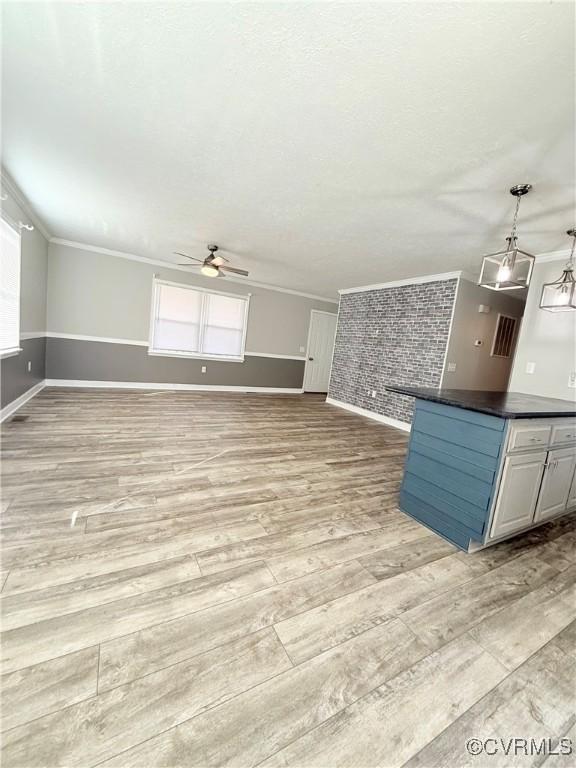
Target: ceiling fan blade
[(185, 264), (236, 271), (177, 253)]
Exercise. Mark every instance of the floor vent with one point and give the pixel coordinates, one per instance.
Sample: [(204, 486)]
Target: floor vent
[(19, 417)]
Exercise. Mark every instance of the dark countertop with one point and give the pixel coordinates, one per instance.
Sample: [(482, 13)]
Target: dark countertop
[(506, 405)]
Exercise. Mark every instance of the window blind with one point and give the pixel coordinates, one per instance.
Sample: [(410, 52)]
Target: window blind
[(177, 319), (9, 288), (190, 322), (224, 326)]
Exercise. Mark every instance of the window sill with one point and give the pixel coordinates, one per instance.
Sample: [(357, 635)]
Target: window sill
[(192, 356), (10, 353)]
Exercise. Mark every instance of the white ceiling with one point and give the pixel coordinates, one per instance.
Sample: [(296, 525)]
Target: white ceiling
[(326, 145)]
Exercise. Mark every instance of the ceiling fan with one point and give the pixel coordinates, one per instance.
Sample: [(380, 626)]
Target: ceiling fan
[(213, 265)]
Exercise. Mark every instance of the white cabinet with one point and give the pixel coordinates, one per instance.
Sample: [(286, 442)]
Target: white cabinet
[(557, 482), (518, 493), (538, 475)]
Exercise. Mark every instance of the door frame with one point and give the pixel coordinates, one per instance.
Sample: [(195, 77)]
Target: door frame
[(317, 312)]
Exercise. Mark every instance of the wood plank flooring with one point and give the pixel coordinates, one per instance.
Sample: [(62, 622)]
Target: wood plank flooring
[(193, 579)]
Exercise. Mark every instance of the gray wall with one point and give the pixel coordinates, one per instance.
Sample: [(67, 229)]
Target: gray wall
[(105, 296), (15, 379), (93, 294), (475, 367), (547, 339), (91, 360), (395, 335)]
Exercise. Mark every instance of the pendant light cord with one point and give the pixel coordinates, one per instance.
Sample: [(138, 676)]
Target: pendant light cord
[(513, 235), (570, 264)]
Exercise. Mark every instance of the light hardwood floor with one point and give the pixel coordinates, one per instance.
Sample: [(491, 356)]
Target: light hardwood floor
[(225, 580)]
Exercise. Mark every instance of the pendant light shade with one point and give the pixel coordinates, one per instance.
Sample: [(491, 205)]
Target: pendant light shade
[(560, 296), (511, 268)]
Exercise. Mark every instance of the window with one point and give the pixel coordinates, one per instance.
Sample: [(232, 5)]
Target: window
[(504, 336), (190, 322), (9, 289)]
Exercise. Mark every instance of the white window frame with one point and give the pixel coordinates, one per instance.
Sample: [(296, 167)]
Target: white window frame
[(13, 351), (156, 283)]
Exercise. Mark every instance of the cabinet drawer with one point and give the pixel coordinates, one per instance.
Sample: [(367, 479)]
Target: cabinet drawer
[(564, 434), (523, 436)]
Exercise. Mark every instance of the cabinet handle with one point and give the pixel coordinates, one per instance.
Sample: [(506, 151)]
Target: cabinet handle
[(548, 465), (535, 439)]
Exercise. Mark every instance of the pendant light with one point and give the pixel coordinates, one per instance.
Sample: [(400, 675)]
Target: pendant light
[(510, 269), (560, 296)]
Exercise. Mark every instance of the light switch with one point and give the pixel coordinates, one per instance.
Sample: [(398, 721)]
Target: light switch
[(451, 367), (203, 369), (530, 367), (29, 366), (302, 349), (572, 379)]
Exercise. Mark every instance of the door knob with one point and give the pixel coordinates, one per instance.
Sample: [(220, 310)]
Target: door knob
[(310, 358)]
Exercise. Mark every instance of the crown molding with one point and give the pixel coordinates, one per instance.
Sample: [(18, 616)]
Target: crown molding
[(563, 255), (177, 267), (408, 281), (17, 195)]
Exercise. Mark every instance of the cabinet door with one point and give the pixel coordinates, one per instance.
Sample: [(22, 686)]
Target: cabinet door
[(556, 483), (518, 493), (572, 494)]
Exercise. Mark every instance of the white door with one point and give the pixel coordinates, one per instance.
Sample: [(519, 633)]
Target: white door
[(320, 348), (518, 493), (556, 484)]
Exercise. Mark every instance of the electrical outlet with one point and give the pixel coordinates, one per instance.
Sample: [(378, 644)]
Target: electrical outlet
[(29, 366), (530, 367), (572, 379), (373, 393), (451, 367), (203, 369)]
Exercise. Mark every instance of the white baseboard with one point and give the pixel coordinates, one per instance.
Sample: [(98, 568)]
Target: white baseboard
[(403, 425), (173, 387), (12, 407)]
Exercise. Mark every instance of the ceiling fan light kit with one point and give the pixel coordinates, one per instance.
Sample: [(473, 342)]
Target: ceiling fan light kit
[(560, 295), (209, 270), (511, 268)]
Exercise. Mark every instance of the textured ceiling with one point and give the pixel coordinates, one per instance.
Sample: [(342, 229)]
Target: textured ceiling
[(326, 145)]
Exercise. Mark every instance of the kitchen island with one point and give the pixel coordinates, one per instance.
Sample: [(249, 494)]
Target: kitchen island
[(484, 466)]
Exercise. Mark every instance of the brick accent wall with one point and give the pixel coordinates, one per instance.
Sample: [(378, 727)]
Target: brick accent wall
[(394, 335)]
